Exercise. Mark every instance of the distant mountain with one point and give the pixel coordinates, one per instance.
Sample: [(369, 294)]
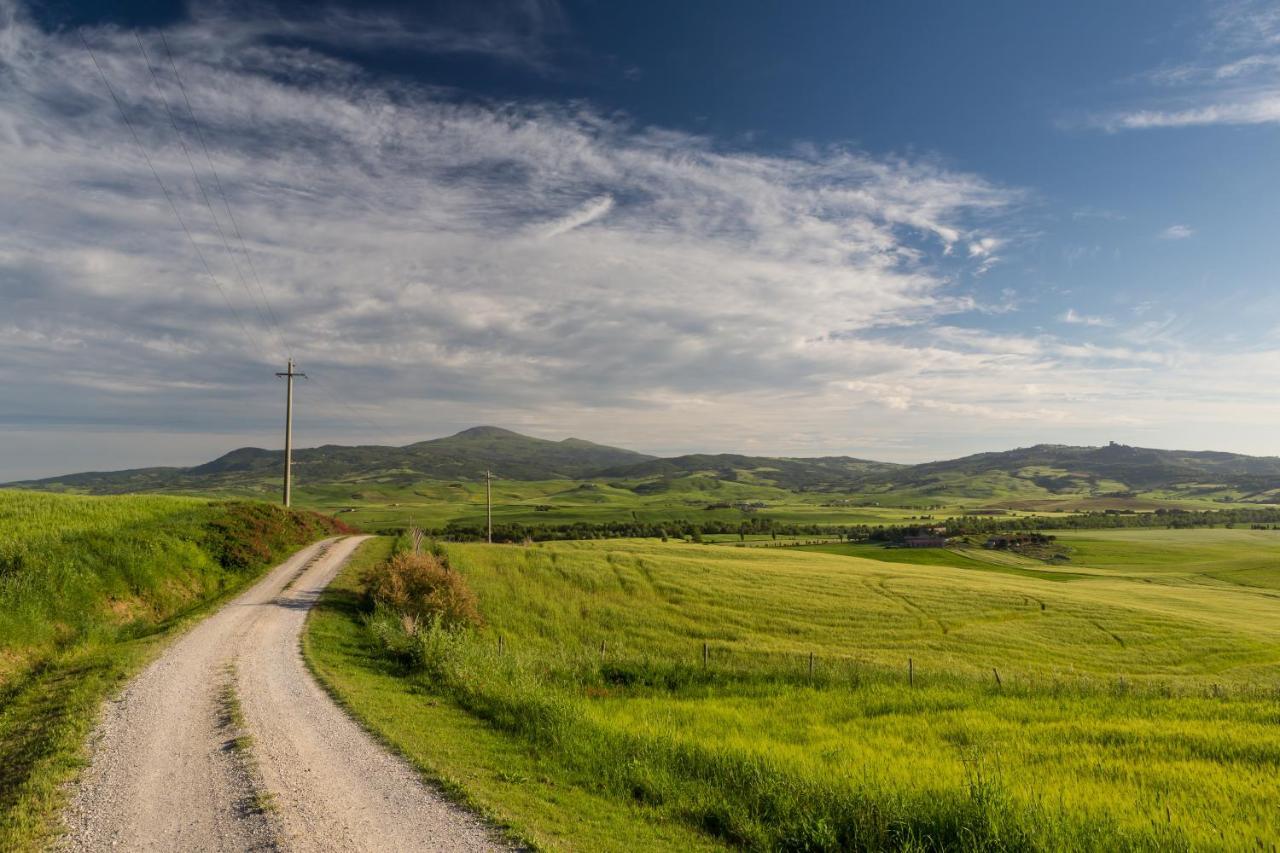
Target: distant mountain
[(1056, 469), (1044, 471), (1030, 475), (465, 455)]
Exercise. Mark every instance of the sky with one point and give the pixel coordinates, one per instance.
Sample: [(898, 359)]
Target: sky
[(903, 231)]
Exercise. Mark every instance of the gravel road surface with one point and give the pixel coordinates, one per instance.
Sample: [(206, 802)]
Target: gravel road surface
[(227, 743)]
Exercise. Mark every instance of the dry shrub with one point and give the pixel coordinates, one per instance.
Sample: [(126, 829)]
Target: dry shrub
[(422, 588)]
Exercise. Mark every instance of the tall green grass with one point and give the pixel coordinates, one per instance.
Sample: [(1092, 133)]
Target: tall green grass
[(1135, 710), (89, 589)]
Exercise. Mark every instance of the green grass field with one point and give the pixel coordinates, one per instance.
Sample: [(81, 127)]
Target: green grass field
[(389, 503), (1136, 706), (433, 504), (90, 589)]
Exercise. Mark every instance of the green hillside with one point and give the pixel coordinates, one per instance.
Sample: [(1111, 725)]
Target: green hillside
[(1052, 470), (437, 479), (1124, 701), (465, 455), (822, 472)]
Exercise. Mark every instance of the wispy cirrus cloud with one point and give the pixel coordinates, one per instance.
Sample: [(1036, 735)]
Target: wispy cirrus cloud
[(437, 262), (1236, 81), (1177, 232), (389, 230), (1075, 318), (591, 211)]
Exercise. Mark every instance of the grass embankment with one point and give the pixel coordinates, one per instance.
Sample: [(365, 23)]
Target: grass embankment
[(90, 588), (1136, 708)]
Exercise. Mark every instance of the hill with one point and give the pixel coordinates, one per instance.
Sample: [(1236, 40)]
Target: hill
[(1035, 478), (1115, 469), (465, 455), (796, 474)]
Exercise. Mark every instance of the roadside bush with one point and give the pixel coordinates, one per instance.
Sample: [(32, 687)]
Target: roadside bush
[(421, 588), (244, 535)]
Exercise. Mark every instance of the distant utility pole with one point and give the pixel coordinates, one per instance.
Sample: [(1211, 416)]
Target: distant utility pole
[(288, 430), (488, 500)]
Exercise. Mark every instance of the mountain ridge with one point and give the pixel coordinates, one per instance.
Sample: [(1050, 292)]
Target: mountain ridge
[(1042, 469)]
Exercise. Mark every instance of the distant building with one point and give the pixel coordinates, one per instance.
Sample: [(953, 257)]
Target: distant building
[(925, 541)]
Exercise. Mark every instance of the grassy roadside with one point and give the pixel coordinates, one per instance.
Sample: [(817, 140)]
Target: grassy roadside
[(536, 799), (92, 589)]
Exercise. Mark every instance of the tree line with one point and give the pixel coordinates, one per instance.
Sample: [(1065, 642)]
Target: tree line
[(965, 525)]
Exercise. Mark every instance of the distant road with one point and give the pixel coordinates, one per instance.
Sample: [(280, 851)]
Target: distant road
[(227, 743)]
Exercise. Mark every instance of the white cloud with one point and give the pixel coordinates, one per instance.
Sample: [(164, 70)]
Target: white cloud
[(1074, 317), (984, 247), (1177, 232), (587, 213), (1235, 82), (1254, 108)]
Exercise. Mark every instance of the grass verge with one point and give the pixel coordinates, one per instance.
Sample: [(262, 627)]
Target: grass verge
[(91, 590), (537, 799)]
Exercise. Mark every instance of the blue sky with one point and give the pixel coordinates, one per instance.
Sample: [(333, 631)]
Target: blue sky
[(901, 231)]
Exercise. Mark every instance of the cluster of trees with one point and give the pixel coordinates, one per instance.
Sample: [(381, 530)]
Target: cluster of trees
[(1161, 518), (625, 529), (967, 525)]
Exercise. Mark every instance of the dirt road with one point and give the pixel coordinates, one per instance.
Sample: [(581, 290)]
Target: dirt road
[(227, 743)]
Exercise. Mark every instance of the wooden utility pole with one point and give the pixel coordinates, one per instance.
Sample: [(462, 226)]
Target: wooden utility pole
[(288, 430), (488, 501)]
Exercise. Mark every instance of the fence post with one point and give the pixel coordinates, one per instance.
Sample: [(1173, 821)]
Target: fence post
[(704, 655), (997, 675), (911, 672), (811, 666), (602, 647), (500, 649)]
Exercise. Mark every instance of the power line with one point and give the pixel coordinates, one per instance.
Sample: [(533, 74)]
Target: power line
[(226, 201), (169, 198), (360, 419), (186, 153)]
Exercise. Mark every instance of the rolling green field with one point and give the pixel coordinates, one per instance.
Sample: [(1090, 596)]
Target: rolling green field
[(434, 504), (90, 589), (1136, 706)]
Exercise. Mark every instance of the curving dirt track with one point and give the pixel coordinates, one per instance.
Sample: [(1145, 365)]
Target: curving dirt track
[(172, 768)]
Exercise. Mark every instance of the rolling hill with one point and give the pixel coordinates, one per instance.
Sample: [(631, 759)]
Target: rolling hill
[(465, 455), (1042, 473), (1114, 469), (796, 474)]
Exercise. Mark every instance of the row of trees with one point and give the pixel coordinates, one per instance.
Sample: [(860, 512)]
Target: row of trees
[(967, 525)]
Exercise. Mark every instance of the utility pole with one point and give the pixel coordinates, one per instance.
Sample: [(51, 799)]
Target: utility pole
[(488, 500), (288, 430)]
